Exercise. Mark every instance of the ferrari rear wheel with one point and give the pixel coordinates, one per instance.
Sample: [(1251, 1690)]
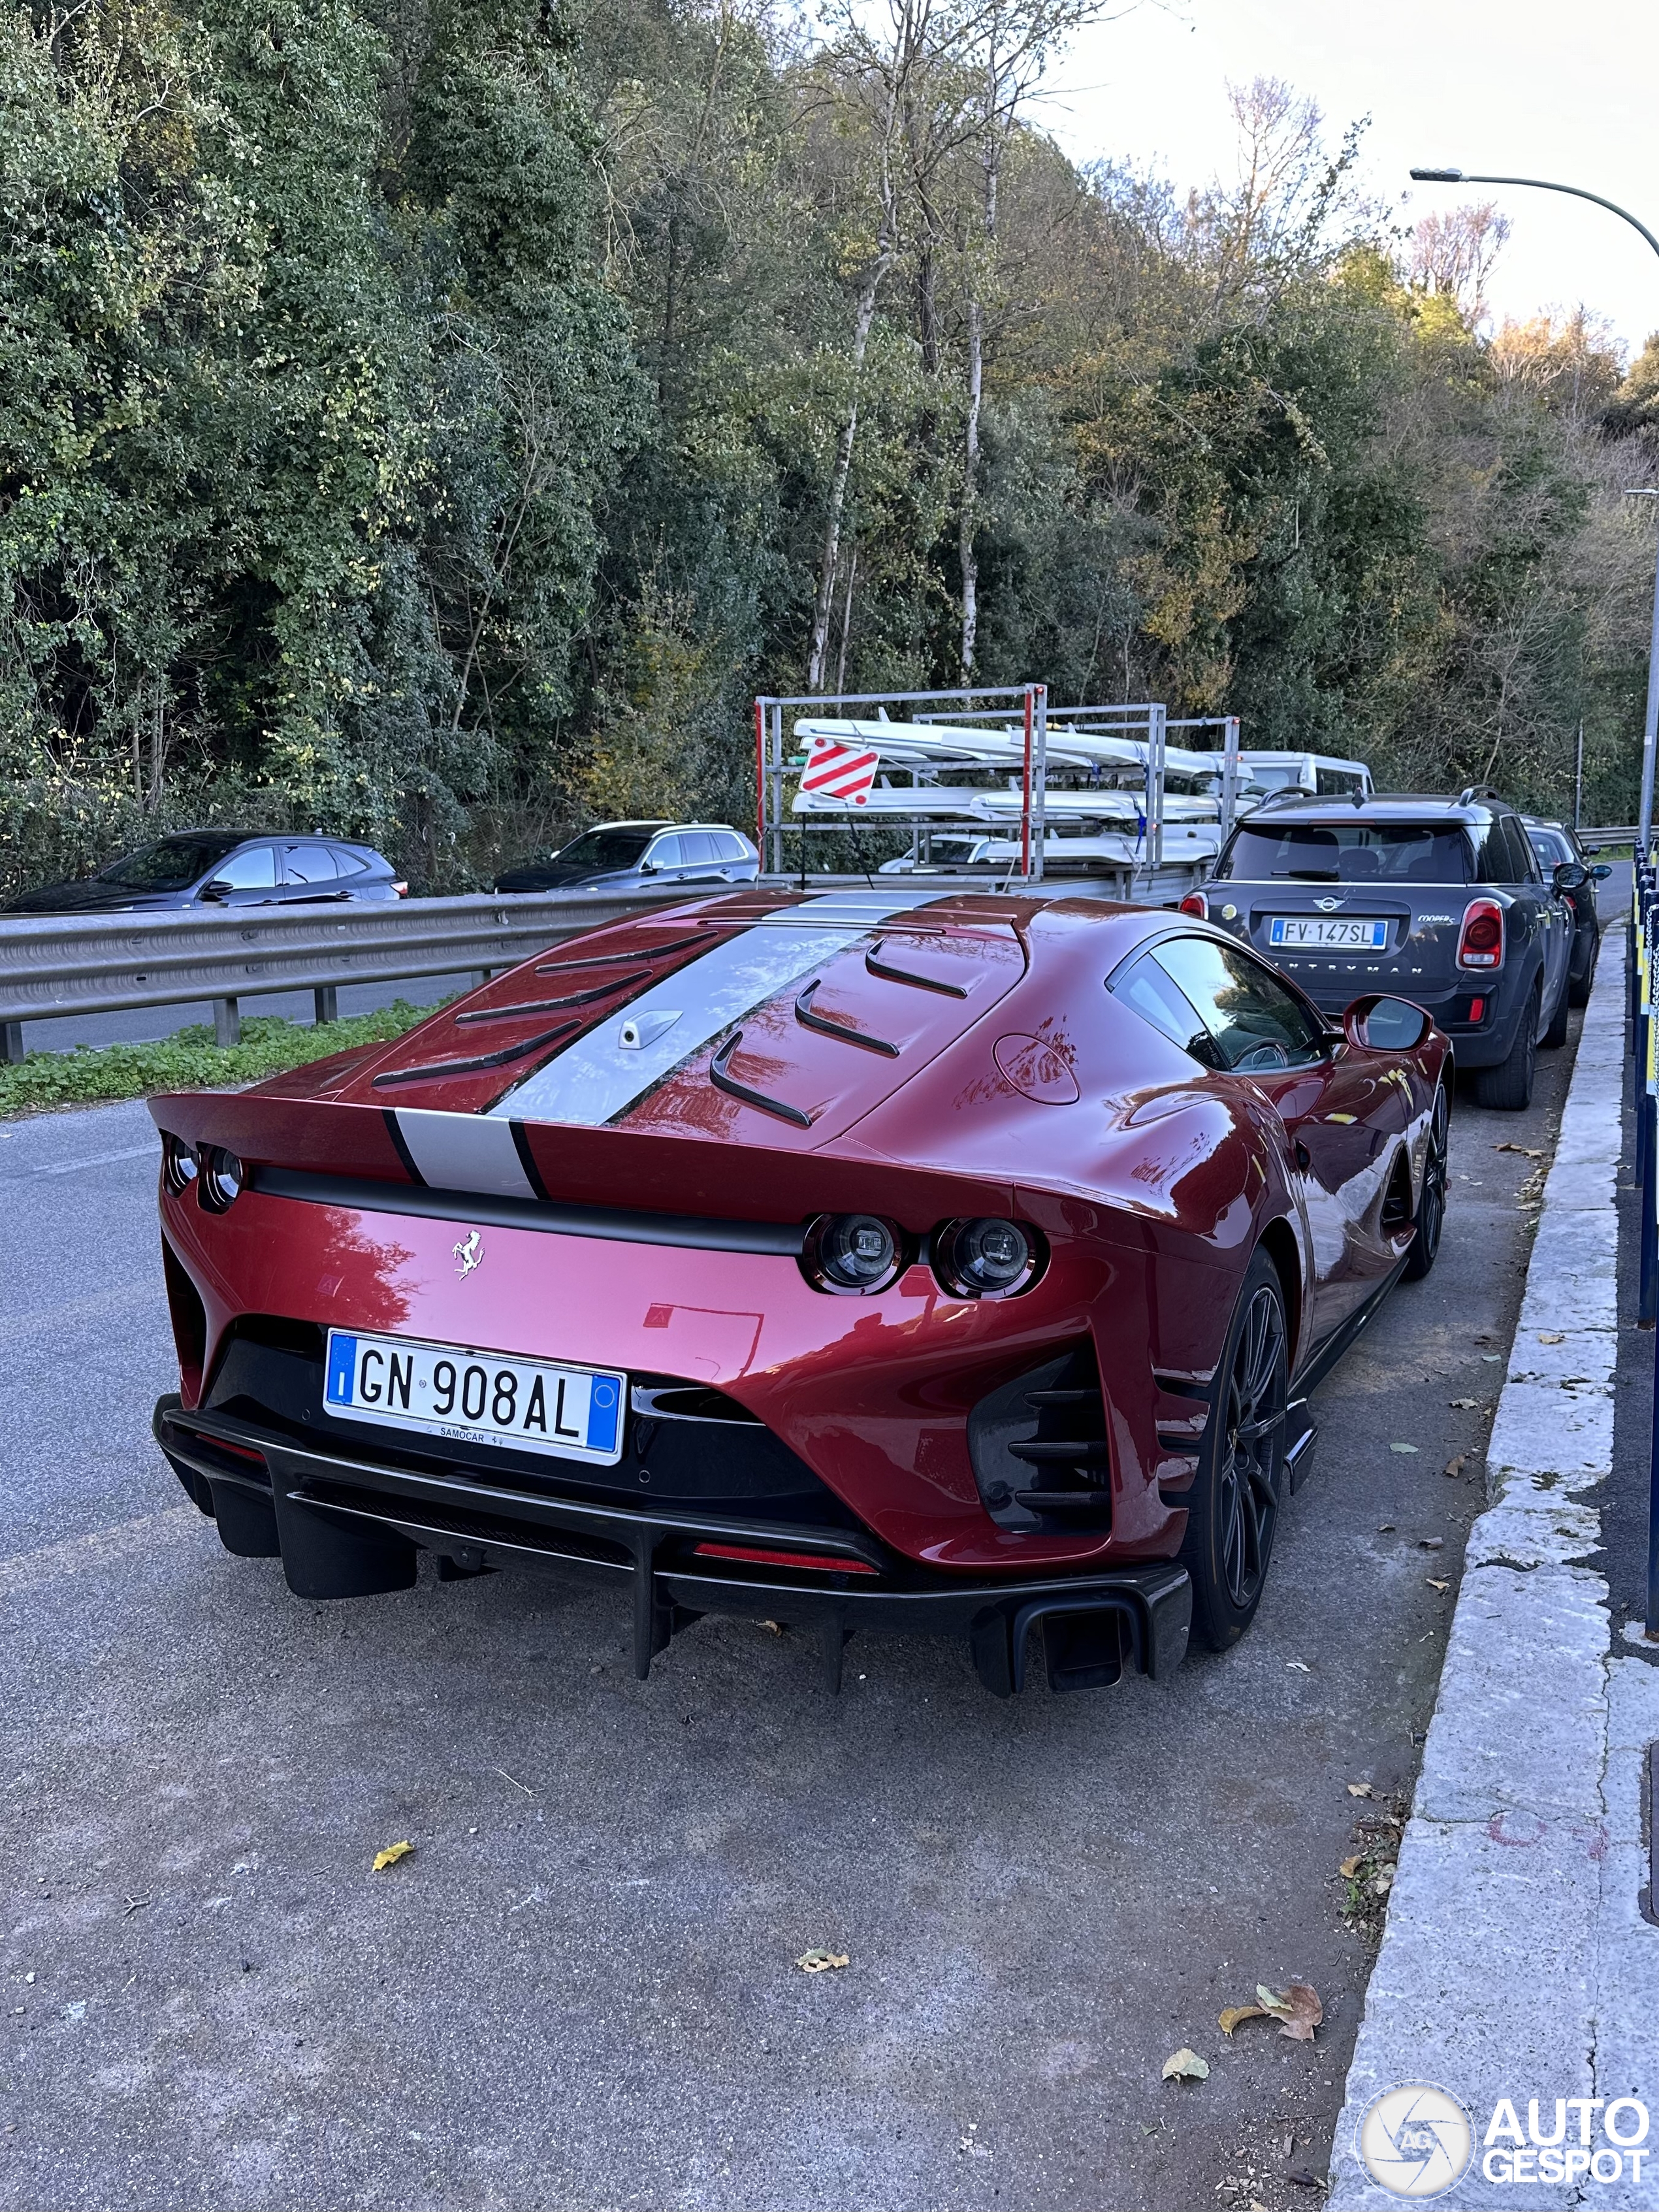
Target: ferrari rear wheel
[(1431, 1204), (1233, 1504)]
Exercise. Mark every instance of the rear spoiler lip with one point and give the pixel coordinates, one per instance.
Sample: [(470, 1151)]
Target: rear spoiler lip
[(636, 1178)]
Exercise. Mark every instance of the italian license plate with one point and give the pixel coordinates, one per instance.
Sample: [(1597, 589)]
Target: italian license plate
[(1327, 929), (476, 1397)]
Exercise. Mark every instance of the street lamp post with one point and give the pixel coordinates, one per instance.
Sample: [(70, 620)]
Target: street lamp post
[(1650, 721)]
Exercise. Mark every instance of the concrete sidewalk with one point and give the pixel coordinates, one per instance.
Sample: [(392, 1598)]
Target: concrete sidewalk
[(1517, 1963)]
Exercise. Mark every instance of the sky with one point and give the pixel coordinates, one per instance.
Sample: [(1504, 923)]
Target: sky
[(1501, 85)]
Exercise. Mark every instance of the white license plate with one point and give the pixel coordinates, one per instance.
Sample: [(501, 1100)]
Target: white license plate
[(1325, 929), (476, 1397)]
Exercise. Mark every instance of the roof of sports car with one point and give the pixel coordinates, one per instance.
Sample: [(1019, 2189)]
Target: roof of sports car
[(738, 1016)]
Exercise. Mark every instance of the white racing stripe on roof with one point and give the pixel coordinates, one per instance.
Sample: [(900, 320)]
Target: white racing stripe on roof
[(598, 1077), (463, 1152)]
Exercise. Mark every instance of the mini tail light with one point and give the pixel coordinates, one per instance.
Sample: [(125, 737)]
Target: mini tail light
[(1481, 943), (219, 1183), (402, 889), (1196, 903), (986, 1258), (178, 1165), (853, 1253)]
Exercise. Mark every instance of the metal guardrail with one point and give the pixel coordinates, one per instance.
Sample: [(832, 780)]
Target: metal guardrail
[(69, 964), (1593, 839)]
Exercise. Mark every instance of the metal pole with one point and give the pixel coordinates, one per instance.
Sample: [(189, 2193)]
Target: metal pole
[(1025, 798), (1650, 720), (1156, 747), (777, 790), (1229, 777), (1040, 786)]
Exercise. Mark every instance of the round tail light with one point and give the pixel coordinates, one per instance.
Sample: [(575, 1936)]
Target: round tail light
[(852, 1252), (178, 1165), (986, 1258), (220, 1182)]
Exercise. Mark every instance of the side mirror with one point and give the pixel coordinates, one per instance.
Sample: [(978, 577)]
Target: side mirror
[(1383, 1025), (1570, 876), (1600, 872), (647, 867), (217, 887)]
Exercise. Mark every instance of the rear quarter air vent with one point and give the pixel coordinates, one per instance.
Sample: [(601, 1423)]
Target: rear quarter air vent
[(1039, 1448)]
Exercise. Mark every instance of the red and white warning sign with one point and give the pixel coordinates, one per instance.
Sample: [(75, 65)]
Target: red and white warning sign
[(840, 767)]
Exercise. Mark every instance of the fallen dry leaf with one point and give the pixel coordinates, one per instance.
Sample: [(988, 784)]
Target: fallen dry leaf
[(1384, 1882), (1403, 1447), (773, 1627), (1432, 1585), (1230, 2019), (1462, 1404), (1298, 1665), (1301, 2178), (1184, 2065), (1430, 1543), (820, 1962), (1257, 2206), (1455, 1467), (1298, 2011), (1385, 1527), (1361, 1789), (1526, 1152), (1349, 1868), (1551, 1336), (391, 1855)]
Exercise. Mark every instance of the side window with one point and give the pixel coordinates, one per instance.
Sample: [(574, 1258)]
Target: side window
[(1497, 859), (666, 853), (250, 870), (1150, 991), (1526, 868), (1258, 1025), (310, 864), (700, 848), (349, 862), (731, 846)]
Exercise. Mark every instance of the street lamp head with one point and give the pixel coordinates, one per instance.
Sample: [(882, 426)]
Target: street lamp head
[(1437, 176)]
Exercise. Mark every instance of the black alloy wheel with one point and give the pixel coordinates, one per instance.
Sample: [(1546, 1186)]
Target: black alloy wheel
[(1507, 1088), (1233, 1504), (1431, 1204)]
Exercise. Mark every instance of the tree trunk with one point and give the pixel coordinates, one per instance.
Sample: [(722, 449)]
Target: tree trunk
[(969, 515), (822, 611)]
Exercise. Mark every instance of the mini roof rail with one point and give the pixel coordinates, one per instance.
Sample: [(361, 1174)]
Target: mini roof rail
[(1479, 791)]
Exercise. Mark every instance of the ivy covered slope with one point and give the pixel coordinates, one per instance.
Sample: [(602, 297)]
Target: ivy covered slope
[(189, 1060), (432, 423)]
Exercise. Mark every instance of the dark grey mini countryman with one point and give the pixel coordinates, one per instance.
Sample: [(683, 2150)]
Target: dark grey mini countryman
[(1439, 901)]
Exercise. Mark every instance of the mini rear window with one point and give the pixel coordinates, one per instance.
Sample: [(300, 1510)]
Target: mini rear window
[(1348, 853)]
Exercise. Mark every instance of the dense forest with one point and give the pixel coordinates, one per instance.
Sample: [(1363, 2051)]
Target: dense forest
[(434, 419)]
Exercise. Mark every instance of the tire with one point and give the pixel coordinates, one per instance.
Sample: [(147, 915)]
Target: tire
[(1578, 993), (1556, 1035), (1507, 1088), (1431, 1200), (1232, 1508)]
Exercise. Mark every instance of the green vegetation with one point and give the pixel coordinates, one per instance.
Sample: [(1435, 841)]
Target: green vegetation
[(189, 1060), (433, 421)]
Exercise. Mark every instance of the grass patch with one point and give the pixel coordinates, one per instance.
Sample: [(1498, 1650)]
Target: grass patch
[(190, 1059)]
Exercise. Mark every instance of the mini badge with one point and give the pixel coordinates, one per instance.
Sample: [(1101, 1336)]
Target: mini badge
[(470, 1253)]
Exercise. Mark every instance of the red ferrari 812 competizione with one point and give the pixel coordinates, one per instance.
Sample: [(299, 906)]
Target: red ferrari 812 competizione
[(856, 1259)]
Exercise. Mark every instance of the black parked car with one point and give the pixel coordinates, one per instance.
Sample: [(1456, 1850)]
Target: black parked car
[(1554, 843), (629, 855), (1439, 901), (224, 867)]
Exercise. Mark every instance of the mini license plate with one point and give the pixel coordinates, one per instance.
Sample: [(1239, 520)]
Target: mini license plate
[(1327, 929), (476, 1397)]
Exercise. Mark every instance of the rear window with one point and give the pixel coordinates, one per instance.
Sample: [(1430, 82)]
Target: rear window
[(1348, 853)]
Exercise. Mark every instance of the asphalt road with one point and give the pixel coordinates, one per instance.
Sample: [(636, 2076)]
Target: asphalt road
[(580, 1988)]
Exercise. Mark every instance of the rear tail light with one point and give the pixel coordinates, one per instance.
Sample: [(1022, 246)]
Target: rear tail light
[(1477, 1010), (1480, 944), (986, 1258), (1195, 903), (820, 1562), (178, 1165), (219, 1182), (401, 890), (856, 1253)]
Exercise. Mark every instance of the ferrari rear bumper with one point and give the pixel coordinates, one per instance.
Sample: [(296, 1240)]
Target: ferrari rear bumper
[(345, 1525)]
